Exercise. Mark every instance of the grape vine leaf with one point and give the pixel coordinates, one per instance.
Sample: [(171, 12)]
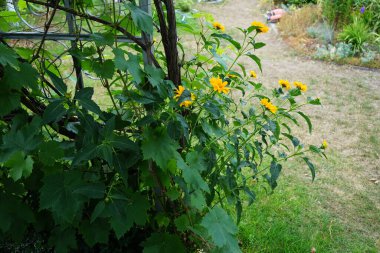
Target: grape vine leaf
[(96, 232), (221, 228), (154, 138), (20, 166), (163, 243), (8, 57)]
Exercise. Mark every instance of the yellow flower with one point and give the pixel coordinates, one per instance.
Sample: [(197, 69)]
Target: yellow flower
[(178, 94), (324, 144), (284, 84), (271, 107), (218, 26), (301, 86), (253, 74), (261, 27), (218, 85)]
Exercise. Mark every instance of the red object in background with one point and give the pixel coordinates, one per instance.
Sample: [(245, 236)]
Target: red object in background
[(275, 15)]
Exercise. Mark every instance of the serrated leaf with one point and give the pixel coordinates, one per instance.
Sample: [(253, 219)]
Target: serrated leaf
[(63, 240), (103, 39), (120, 61), (8, 101), (8, 57), (50, 152), (104, 69), (91, 190), (54, 111), (20, 166), (96, 232), (315, 101), (154, 138), (57, 195), (140, 18), (163, 243), (133, 64), (221, 228)]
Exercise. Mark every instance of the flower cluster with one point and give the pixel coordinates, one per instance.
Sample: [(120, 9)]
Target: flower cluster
[(261, 28), (218, 85), (271, 107), (284, 84), (178, 94), (218, 26), (301, 86)]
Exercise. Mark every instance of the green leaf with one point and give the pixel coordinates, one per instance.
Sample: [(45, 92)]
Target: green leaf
[(50, 152), (256, 59), (295, 92), (104, 69), (96, 232), (134, 68), (258, 45), (140, 18), (63, 240), (91, 190), (182, 223), (315, 101), (25, 76), (57, 81), (99, 208), (103, 39), (8, 57), (197, 160), (221, 228), (311, 167), (20, 166), (275, 170), (163, 243), (228, 38), (120, 61), (8, 101), (191, 175), (308, 121), (54, 111), (84, 97), (57, 195), (154, 138)]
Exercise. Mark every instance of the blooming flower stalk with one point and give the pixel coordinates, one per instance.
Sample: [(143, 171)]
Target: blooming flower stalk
[(218, 26), (178, 93), (284, 84), (261, 28), (218, 85), (300, 86), (268, 105)]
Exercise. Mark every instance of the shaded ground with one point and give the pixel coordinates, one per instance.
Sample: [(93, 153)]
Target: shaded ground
[(347, 188)]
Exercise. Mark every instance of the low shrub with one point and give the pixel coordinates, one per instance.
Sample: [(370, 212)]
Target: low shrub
[(321, 31), (370, 11)]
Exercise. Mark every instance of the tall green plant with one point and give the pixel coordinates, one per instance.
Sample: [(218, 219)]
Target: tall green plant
[(357, 34), (337, 12), (157, 169)]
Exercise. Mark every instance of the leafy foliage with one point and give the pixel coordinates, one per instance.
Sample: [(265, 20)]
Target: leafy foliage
[(157, 167)]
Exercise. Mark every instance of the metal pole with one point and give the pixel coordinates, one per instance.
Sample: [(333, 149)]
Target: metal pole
[(146, 6), (77, 66)]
